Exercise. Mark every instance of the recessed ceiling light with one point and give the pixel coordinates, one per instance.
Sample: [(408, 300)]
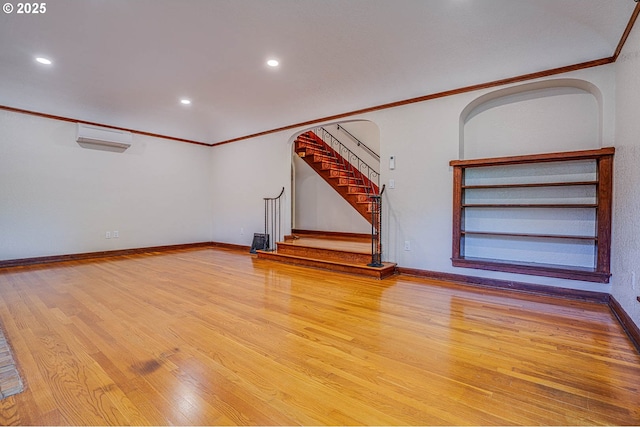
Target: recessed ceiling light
[(44, 61), (185, 101), (273, 63)]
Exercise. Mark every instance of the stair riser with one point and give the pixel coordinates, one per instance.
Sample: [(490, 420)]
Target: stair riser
[(347, 181), (334, 173), (315, 156), (356, 189), (381, 273), (305, 138), (325, 166), (323, 158), (308, 151), (324, 254), (328, 235), (301, 146)]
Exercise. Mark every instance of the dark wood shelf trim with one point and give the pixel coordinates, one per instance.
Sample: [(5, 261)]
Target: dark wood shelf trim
[(536, 158), (531, 185), (546, 270), (531, 205), (532, 235)]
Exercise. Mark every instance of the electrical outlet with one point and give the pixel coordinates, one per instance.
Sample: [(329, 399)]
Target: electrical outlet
[(407, 245), (242, 231), (116, 234), (392, 183), (633, 280), (107, 235)]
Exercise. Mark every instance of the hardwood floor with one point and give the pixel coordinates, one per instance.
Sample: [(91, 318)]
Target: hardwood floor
[(215, 336)]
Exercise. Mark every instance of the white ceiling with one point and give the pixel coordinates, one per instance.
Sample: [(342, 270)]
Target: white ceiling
[(127, 63)]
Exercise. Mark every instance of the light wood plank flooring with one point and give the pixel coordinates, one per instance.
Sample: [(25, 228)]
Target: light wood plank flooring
[(215, 336)]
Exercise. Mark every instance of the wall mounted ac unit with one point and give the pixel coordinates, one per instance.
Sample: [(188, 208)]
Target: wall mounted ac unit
[(97, 137)]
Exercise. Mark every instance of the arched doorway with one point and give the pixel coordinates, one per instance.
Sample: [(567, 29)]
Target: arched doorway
[(315, 204)]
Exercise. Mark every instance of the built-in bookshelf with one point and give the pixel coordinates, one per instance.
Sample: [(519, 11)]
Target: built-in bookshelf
[(545, 214)]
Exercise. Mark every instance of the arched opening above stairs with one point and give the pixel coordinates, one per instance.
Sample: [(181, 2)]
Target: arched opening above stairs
[(320, 204)]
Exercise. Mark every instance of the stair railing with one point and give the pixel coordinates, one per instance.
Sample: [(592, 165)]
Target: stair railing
[(360, 143), (272, 224), (376, 229), (350, 160)]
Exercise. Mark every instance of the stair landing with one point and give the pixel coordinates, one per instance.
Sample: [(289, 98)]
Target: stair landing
[(347, 253)]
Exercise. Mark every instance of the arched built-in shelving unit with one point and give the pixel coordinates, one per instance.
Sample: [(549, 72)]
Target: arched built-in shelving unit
[(546, 215), (532, 186)]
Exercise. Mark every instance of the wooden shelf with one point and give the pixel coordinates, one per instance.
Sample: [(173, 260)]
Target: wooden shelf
[(537, 269), (536, 158), (531, 185), (601, 161), (530, 205), (529, 235)]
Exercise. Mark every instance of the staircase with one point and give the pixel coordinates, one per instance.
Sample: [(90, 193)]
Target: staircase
[(342, 252), (354, 180), (353, 185)]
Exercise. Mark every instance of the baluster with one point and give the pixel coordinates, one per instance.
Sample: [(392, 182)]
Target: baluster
[(272, 221), (376, 229), (375, 233)]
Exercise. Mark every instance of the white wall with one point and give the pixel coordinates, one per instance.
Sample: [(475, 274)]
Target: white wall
[(625, 252), (242, 175), (534, 120), (59, 198)]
